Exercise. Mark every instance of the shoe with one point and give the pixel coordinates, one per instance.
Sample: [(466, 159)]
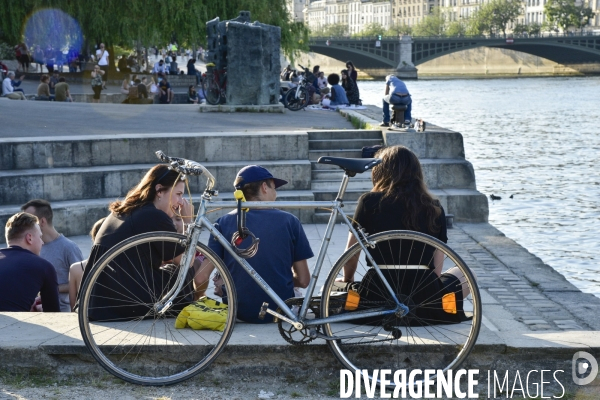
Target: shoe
[(407, 122), (384, 124)]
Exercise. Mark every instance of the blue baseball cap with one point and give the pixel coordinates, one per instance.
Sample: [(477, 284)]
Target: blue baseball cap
[(255, 173)]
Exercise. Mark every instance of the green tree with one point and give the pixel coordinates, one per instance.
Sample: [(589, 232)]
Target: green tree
[(455, 28), (336, 30), (139, 22), (505, 12), (583, 14), (432, 25), (520, 28), (561, 12), (397, 30), (534, 28), (481, 22), (371, 29)]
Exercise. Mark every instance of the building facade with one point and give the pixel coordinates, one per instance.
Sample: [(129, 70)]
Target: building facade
[(357, 14), (296, 9)]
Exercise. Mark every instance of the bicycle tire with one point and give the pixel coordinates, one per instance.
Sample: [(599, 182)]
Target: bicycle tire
[(294, 103), (212, 91), (424, 342), (148, 349)]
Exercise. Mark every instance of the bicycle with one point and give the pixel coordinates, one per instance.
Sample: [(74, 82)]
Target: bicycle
[(297, 98), (214, 85), (388, 331)]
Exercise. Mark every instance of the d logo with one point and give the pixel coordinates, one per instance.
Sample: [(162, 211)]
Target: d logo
[(581, 367)]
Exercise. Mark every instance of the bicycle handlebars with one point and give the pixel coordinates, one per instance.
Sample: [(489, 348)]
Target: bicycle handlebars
[(187, 167)]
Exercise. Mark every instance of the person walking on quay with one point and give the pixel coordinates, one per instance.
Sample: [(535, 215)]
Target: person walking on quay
[(58, 250), (102, 56), (23, 273), (396, 92)]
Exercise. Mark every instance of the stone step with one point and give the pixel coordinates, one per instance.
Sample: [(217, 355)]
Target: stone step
[(314, 155), (334, 184), (73, 218), (76, 183), (344, 134), (120, 149), (439, 143), (438, 173), (465, 204), (335, 144)]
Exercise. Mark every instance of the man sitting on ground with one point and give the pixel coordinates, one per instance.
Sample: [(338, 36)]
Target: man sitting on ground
[(60, 251), (23, 273), (8, 89), (282, 253), (62, 91), (165, 93)]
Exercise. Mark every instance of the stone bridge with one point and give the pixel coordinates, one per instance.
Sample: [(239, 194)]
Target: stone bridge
[(393, 53)]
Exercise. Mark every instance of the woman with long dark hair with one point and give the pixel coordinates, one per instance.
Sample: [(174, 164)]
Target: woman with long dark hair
[(350, 87), (352, 70), (148, 207), (400, 200)]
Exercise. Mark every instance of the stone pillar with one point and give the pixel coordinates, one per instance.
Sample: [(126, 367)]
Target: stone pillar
[(406, 68)]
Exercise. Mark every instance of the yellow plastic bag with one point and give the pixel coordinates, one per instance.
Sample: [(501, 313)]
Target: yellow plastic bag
[(205, 313)]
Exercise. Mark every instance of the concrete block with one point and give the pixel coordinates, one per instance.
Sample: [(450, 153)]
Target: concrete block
[(23, 155), (91, 186), (53, 187), (100, 152), (428, 144), (82, 153), (42, 155), (6, 156), (73, 188), (119, 151), (111, 181), (62, 154)]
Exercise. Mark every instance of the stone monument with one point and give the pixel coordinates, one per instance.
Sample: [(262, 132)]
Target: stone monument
[(250, 54)]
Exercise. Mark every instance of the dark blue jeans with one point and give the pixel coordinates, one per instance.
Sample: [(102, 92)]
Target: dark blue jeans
[(395, 99)]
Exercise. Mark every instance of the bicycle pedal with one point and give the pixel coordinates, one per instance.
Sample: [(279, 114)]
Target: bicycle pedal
[(263, 311)]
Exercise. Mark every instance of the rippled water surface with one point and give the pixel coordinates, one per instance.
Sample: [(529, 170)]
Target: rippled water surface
[(537, 139)]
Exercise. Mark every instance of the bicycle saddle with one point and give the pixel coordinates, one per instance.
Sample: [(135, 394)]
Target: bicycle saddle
[(351, 165)]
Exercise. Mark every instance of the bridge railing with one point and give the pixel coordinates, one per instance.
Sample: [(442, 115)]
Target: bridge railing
[(478, 37)]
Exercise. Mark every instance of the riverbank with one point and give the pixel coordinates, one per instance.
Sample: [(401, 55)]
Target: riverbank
[(533, 317), (479, 63)]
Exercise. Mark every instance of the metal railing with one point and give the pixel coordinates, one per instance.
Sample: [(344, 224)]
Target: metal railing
[(543, 35)]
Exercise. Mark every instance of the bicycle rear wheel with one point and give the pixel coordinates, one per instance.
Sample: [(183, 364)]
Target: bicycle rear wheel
[(296, 103), (122, 330), (428, 337), (212, 91)]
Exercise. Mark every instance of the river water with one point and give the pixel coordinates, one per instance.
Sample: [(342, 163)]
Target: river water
[(537, 139)]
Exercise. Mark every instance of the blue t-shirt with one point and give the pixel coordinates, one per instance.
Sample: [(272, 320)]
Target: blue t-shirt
[(340, 95), (396, 85), (282, 242), (22, 275)]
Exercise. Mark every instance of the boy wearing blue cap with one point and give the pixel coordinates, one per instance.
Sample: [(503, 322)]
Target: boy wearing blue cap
[(282, 253)]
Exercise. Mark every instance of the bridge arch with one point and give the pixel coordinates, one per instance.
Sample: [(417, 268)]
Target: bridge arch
[(363, 51)]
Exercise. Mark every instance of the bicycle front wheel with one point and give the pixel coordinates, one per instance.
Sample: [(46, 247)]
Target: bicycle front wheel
[(296, 103), (212, 91), (444, 315), (121, 327)]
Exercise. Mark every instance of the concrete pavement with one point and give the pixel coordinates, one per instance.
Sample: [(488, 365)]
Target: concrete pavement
[(532, 319)]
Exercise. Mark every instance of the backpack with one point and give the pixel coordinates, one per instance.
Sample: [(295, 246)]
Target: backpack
[(370, 151)]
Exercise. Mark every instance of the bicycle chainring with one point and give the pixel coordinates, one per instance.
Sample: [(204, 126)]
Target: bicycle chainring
[(291, 334)]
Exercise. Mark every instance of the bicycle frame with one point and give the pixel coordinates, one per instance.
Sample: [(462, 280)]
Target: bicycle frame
[(299, 321)]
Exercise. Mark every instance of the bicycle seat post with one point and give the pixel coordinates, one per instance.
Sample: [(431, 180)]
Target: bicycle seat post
[(343, 186)]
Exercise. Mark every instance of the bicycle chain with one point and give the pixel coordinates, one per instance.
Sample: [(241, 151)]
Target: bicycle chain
[(287, 334)]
